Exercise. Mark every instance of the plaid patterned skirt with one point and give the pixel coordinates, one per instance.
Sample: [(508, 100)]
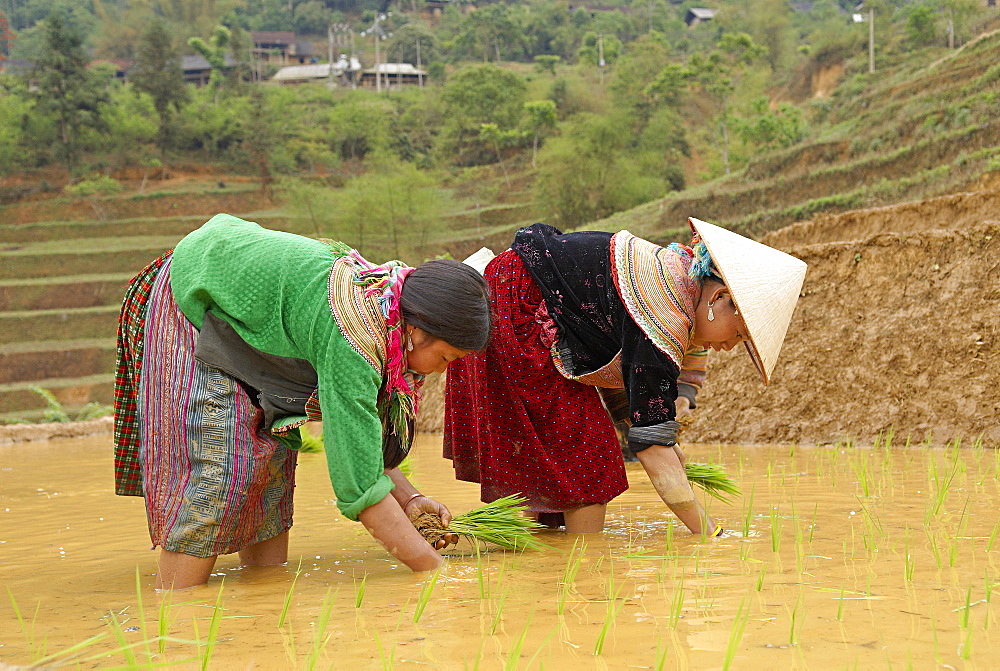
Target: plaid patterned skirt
[(188, 436), (514, 424)]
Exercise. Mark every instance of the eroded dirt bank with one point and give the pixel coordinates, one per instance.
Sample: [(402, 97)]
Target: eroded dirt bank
[(897, 328)]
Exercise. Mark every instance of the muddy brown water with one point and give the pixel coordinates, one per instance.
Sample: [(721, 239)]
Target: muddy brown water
[(854, 558)]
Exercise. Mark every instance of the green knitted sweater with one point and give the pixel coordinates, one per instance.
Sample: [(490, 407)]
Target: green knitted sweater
[(272, 287)]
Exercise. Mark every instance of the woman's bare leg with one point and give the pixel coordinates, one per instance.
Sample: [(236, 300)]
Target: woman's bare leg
[(586, 519), (271, 552), (179, 571)]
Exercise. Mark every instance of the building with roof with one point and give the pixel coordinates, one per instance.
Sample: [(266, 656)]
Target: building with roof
[(393, 75), (697, 15)]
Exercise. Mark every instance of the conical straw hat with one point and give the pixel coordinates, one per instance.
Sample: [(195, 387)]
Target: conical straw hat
[(765, 285)]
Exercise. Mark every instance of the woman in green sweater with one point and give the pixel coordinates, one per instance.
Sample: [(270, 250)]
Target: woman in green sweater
[(241, 334)]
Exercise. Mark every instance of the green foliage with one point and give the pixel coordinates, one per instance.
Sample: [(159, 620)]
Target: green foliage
[(591, 171), (547, 63), (214, 51), (158, 73), (764, 128), (66, 90), (54, 411), (921, 24), (95, 186), (477, 95)]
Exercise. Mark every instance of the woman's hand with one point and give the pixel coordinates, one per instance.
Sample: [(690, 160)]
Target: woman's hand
[(423, 504)]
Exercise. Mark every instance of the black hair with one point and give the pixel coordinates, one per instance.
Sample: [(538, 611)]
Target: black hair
[(448, 300)]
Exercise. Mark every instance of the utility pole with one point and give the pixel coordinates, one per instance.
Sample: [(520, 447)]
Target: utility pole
[(951, 28), (871, 39), (420, 73), (600, 56), (379, 34)]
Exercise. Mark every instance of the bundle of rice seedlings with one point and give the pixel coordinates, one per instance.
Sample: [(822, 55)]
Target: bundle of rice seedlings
[(502, 523), (713, 480)]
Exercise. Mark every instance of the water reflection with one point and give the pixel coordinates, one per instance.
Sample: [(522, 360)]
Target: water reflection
[(837, 558)]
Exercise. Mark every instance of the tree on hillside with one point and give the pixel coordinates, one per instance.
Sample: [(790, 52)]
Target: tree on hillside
[(717, 74), (489, 32), (66, 90), (415, 43), (541, 120), (214, 51), (474, 96), (158, 72)]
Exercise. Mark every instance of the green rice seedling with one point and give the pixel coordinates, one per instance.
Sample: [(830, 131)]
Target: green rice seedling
[(668, 541), (712, 479), (812, 525), (932, 539), (425, 595), (760, 577), (573, 563), (387, 663), (142, 613), (515, 650), (531, 660), (288, 596), (966, 647), (359, 591), (963, 619), (70, 654), (496, 616), (775, 529), (907, 559), (614, 606), (796, 615), (481, 579), (677, 605), (988, 590), (840, 606), (748, 512), (736, 633), (863, 473), (213, 629), (119, 635), (501, 523), (35, 648), (320, 637)]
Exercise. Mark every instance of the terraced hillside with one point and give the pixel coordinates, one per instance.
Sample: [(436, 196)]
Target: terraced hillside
[(899, 135), (62, 281), (64, 264)]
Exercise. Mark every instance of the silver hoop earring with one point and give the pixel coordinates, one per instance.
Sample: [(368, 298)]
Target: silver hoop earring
[(711, 313)]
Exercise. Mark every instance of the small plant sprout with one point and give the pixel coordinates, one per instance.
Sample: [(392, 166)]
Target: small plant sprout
[(213, 629), (569, 572), (840, 606), (514, 655), (359, 591), (775, 529), (677, 605), (907, 558), (760, 577), (320, 637), (796, 615), (425, 595), (614, 606), (499, 612), (288, 596), (387, 662), (736, 633), (748, 512)]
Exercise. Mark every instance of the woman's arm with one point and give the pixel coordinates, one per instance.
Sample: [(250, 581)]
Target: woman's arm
[(390, 526), (666, 472), (413, 503)]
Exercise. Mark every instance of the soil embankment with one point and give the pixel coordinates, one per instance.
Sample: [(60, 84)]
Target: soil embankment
[(898, 328)]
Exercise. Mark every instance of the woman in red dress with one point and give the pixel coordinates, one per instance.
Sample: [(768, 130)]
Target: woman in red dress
[(581, 312)]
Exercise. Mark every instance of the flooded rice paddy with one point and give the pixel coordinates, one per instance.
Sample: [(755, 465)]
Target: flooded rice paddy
[(836, 557)]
